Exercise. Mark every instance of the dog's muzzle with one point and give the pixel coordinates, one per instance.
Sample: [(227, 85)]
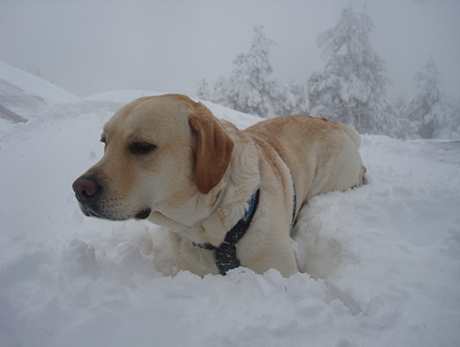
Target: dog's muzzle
[(89, 191), (86, 191)]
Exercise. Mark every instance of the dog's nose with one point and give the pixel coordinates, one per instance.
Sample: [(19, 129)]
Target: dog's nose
[(84, 188)]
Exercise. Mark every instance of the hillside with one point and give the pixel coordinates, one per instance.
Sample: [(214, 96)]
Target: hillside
[(23, 95)]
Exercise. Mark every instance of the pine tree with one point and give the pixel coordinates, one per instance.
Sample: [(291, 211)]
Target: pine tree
[(299, 92), (428, 109), (455, 106), (249, 88), (404, 129), (203, 90), (352, 87)]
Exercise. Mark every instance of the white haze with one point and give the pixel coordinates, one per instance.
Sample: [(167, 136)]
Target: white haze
[(87, 47)]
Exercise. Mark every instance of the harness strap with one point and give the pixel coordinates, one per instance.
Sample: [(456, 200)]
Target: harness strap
[(225, 254), (294, 209)]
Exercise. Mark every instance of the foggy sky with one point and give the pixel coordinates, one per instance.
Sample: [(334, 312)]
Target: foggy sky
[(88, 47)]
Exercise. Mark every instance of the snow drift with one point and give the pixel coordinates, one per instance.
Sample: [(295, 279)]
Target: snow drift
[(380, 264), (24, 95)]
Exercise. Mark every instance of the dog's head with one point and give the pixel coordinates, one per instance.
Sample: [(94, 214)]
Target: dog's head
[(158, 150)]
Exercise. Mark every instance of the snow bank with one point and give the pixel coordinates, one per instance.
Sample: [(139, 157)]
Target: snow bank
[(122, 97), (27, 95), (380, 263), (34, 85)]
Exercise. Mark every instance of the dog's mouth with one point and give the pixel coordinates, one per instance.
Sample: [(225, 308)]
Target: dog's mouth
[(143, 214), (91, 212)]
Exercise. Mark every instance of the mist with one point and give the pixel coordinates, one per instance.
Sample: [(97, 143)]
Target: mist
[(89, 47)]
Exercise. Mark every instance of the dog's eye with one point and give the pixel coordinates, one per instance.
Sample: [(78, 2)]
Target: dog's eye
[(141, 148)]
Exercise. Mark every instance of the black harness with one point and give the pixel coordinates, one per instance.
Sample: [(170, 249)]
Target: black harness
[(225, 254)]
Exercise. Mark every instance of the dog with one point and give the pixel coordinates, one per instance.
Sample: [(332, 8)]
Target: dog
[(228, 197)]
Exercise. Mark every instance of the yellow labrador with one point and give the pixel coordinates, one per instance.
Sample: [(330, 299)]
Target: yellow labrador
[(229, 197)]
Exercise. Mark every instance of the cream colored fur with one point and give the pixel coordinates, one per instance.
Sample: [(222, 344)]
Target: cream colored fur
[(319, 155)]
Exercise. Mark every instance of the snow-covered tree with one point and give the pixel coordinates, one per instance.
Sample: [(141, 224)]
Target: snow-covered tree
[(251, 89), (352, 87), (455, 106), (288, 98), (404, 127), (203, 90), (429, 110), (300, 94)]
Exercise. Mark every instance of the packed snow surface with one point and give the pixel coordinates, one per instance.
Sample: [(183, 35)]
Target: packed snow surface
[(380, 264)]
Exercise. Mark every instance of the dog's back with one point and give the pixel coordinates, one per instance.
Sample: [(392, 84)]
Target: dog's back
[(322, 155)]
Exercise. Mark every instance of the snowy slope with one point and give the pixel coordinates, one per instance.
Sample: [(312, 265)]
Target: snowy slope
[(381, 263), (118, 98), (26, 94)]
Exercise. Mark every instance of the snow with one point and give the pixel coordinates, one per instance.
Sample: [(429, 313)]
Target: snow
[(34, 85), (23, 95), (380, 263)]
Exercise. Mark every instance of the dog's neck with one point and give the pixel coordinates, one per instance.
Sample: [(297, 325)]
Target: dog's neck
[(189, 224), (225, 254)]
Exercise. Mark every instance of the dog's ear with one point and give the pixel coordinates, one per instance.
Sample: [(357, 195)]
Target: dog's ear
[(214, 149)]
